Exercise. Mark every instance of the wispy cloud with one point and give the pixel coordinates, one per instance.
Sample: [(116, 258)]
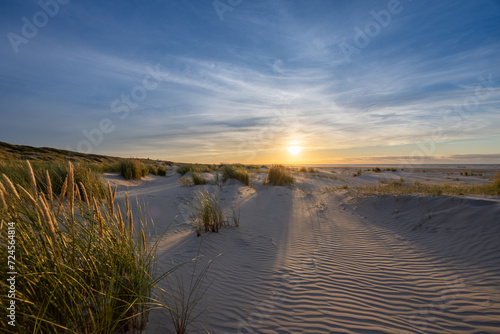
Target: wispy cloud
[(224, 83)]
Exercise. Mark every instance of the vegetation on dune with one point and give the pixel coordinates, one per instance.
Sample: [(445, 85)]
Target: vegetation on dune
[(132, 169), (207, 213), (197, 179), (46, 154), (85, 174), (86, 269), (197, 168), (87, 263), (277, 176), (402, 188), (308, 170), (182, 296), (235, 172)]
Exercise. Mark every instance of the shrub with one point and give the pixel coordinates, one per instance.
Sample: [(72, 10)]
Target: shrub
[(376, 170), (152, 169), (495, 187), (235, 172), (358, 173), (162, 171), (277, 176), (132, 169)]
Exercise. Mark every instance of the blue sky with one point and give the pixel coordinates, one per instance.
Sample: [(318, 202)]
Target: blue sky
[(240, 80)]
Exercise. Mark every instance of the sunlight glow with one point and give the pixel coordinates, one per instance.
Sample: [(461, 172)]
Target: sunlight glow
[(294, 149)]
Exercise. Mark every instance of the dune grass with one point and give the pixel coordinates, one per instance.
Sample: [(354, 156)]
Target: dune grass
[(235, 172), (206, 212), (277, 176), (197, 168), (197, 179), (208, 215), (182, 296), (404, 188), (132, 169), (85, 173), (85, 269), (84, 265), (308, 170)]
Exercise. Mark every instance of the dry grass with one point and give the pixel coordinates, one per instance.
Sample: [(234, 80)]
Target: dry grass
[(132, 169), (85, 266), (277, 176), (197, 179), (207, 212), (81, 273), (235, 172), (403, 188)]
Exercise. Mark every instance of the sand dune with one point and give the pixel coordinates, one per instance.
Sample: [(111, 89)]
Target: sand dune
[(307, 260)]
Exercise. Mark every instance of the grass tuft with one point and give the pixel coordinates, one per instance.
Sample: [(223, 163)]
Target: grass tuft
[(207, 212), (277, 176), (197, 179), (132, 169)]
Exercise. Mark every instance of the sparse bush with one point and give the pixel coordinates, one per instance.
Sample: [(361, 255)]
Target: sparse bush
[(358, 173), (132, 169), (376, 170), (197, 179), (162, 171), (345, 186), (207, 212), (277, 176), (495, 187), (184, 169), (182, 296), (398, 187), (235, 172)]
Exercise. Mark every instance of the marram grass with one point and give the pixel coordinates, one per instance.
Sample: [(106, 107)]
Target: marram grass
[(404, 188), (82, 267), (235, 172), (278, 176)]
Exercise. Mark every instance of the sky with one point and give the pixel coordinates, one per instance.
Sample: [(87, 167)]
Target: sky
[(388, 81)]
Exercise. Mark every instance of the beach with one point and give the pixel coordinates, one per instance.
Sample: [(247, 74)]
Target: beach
[(322, 256)]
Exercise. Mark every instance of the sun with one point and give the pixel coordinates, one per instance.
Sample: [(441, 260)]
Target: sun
[(294, 149)]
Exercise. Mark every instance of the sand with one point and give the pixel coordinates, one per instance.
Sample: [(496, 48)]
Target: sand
[(308, 260)]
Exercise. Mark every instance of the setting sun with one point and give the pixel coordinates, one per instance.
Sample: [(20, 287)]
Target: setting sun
[(294, 149)]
